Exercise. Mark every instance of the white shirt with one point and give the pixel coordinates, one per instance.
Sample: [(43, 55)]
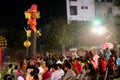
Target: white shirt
[(56, 75), (40, 69), (20, 78), (61, 72)]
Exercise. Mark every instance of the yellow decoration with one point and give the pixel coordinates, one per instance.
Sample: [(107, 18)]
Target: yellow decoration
[(27, 15), (3, 42), (38, 33), (38, 15), (28, 33), (27, 43)]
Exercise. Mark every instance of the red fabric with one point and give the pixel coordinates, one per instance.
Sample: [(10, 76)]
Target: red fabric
[(87, 54), (34, 7), (32, 24), (77, 67), (111, 63), (111, 66), (47, 75), (102, 66)]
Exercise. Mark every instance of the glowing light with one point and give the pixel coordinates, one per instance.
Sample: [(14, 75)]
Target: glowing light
[(99, 30), (97, 22)]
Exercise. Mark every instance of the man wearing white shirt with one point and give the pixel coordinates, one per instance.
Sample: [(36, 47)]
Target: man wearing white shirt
[(60, 70), (56, 74)]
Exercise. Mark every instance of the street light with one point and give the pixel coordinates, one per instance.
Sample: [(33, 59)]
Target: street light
[(100, 30)]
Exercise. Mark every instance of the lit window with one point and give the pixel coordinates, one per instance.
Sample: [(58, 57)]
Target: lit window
[(73, 10)]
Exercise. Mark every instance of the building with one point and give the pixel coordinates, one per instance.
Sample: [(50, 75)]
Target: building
[(81, 10), (86, 10)]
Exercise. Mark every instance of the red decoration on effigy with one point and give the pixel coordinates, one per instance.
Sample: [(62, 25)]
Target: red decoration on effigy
[(33, 8)]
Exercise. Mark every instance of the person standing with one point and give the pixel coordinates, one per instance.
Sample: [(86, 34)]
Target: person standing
[(107, 54)]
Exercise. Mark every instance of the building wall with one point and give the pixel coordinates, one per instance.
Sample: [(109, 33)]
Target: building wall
[(89, 9), (85, 10)]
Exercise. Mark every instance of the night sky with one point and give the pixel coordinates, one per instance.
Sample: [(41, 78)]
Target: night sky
[(12, 11)]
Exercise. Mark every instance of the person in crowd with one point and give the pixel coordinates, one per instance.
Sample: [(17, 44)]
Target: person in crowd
[(31, 63), (58, 61), (118, 65), (111, 67), (47, 72), (28, 71), (10, 69), (74, 54), (33, 75), (69, 73), (90, 70), (24, 65), (15, 72), (76, 66), (107, 54), (38, 65), (87, 54), (38, 70), (8, 77), (56, 74), (101, 67), (60, 70), (20, 78)]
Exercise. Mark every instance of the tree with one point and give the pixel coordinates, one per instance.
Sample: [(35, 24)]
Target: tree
[(81, 33), (117, 3), (57, 35), (13, 36)]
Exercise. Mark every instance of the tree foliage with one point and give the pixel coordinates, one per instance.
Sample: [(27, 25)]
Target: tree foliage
[(57, 35), (117, 3), (13, 36)]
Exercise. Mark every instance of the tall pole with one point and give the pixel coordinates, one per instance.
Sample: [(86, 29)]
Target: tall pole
[(33, 45)]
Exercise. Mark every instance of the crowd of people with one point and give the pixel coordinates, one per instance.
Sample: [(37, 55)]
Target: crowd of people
[(88, 65)]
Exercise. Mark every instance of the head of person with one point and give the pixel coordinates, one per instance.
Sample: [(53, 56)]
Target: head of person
[(10, 65), (54, 67), (47, 67), (37, 64), (16, 67), (59, 66), (67, 66), (7, 77)]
